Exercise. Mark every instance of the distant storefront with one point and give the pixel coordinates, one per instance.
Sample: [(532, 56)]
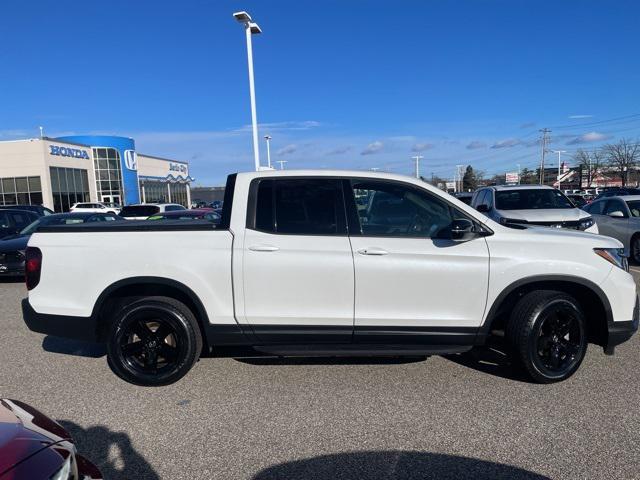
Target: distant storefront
[(58, 172)]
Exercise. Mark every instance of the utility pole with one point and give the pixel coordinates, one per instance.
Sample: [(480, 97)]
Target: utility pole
[(281, 162), (417, 158), (268, 139), (559, 152), (518, 173), (251, 28), (545, 132), (41, 132)]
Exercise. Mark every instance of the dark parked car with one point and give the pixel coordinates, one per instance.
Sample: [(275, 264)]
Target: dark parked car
[(12, 221), (37, 209), (12, 247), (34, 447), (464, 197), (619, 192), (194, 214), (578, 199)]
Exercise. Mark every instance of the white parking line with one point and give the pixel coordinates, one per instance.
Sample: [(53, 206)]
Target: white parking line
[(634, 269)]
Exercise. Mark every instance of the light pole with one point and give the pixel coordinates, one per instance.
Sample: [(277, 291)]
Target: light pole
[(281, 162), (41, 132), (251, 28), (417, 158), (268, 139), (518, 173), (559, 152)]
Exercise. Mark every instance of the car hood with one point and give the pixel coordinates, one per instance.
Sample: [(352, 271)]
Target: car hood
[(14, 243), (545, 215), (562, 235), (24, 431)]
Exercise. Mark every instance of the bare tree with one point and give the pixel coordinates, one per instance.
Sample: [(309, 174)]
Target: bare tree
[(589, 163), (622, 157)]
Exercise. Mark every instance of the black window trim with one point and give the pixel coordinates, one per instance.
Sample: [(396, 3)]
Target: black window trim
[(252, 201)]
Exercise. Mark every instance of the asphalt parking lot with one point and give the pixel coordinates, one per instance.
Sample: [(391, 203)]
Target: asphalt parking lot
[(464, 416)]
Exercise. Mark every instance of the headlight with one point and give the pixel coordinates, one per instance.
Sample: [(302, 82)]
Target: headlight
[(586, 223), (65, 471), (615, 256)]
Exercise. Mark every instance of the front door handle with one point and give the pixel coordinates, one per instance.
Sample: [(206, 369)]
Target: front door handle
[(264, 248), (372, 251)]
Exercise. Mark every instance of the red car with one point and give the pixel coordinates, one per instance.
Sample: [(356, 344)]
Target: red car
[(34, 447)]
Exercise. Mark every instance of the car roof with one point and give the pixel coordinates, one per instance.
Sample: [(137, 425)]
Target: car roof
[(18, 210), (153, 204), (193, 212), (519, 187), (626, 198)]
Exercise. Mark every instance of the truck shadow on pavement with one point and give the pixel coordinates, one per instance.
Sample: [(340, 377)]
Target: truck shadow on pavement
[(112, 452), (78, 348), (396, 465), (488, 360)]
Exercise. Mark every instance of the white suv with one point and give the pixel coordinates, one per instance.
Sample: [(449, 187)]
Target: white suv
[(533, 205), (94, 207)]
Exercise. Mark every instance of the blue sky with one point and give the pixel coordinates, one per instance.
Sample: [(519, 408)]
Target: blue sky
[(340, 84)]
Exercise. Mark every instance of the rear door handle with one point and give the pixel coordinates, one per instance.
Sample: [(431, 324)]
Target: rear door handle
[(264, 248), (372, 251)]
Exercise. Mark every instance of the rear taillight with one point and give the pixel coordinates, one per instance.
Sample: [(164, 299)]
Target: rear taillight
[(32, 267)]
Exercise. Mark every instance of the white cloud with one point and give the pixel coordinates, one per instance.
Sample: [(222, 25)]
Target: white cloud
[(580, 116), (372, 148), (282, 126), (589, 137), (475, 144), (287, 149), (421, 147), (507, 143)]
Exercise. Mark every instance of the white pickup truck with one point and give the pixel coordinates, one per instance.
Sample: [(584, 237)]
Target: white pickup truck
[(329, 263)]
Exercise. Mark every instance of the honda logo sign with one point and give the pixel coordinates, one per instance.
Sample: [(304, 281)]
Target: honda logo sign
[(131, 159)]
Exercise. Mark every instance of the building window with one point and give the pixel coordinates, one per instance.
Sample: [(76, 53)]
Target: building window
[(20, 191), (106, 163), (179, 194), (155, 192), (69, 186)]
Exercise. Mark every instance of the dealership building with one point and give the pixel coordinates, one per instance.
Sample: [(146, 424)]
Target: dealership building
[(58, 172)]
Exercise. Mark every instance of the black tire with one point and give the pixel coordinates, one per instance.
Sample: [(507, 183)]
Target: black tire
[(635, 248), (111, 213), (153, 341), (547, 335)]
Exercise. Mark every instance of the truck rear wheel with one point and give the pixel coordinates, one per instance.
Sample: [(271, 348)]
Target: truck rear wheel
[(547, 335), (153, 341)]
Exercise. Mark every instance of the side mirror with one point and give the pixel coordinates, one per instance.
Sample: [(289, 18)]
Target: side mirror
[(483, 208), (616, 214), (462, 230)]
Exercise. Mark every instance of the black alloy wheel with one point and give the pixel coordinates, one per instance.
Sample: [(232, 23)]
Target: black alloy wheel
[(154, 341), (547, 335), (560, 339)]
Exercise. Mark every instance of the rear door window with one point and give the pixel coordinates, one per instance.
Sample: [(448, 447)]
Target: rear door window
[(300, 207)]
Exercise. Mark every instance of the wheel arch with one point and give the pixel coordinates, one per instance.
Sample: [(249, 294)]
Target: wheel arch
[(594, 303), (147, 286)]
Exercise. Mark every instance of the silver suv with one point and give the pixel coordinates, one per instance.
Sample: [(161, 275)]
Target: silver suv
[(538, 205)]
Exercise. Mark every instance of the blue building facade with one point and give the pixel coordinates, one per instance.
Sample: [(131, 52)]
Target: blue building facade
[(115, 166)]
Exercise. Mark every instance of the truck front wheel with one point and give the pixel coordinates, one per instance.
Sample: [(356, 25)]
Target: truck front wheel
[(547, 335), (153, 341)]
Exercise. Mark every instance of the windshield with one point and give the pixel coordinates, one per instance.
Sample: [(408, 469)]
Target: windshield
[(534, 198), (634, 208), (139, 211), (50, 220)]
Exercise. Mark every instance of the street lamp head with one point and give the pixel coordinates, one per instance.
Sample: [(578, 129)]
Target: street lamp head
[(242, 17), (267, 137), (255, 29)]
